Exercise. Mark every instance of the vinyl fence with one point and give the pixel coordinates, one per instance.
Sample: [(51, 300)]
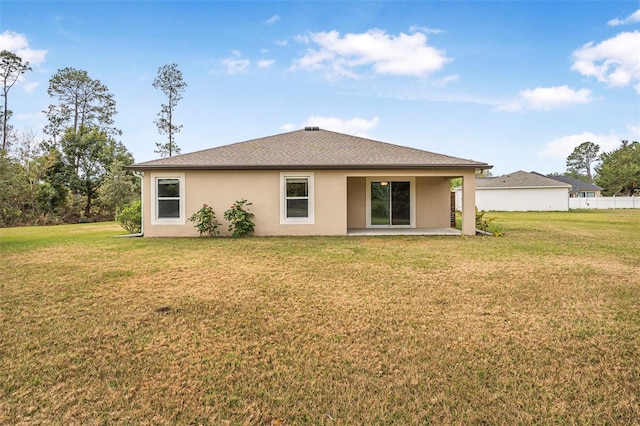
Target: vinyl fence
[(604, 203)]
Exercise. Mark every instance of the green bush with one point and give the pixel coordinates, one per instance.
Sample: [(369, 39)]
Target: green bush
[(239, 218), (130, 217), (484, 224), (205, 220)]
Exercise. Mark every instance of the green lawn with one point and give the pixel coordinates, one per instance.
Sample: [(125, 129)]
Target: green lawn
[(539, 326)]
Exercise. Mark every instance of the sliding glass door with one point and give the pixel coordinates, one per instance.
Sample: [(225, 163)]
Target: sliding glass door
[(390, 203)]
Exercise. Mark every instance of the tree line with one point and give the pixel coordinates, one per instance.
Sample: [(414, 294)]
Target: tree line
[(617, 171), (78, 171)]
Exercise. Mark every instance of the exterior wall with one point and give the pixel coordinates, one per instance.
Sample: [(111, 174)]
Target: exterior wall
[(357, 202), (339, 199), (219, 189), (523, 199), (469, 200), (433, 202)]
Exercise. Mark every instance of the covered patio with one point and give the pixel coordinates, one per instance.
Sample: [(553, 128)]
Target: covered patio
[(419, 202)]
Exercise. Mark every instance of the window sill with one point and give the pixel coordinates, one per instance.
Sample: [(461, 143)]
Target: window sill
[(296, 222)]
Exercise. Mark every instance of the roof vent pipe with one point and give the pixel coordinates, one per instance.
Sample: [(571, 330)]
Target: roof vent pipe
[(312, 129)]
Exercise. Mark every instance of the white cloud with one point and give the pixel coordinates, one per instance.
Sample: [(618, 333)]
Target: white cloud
[(510, 106), (235, 64), (405, 54), (546, 99), (19, 45), (30, 87), (563, 146), (446, 80), (631, 19), (353, 126), (281, 42), (614, 61), (418, 28), (302, 38), (288, 127), (635, 130), (266, 63), (272, 20)]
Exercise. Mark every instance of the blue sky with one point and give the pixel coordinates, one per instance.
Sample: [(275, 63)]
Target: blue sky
[(513, 83)]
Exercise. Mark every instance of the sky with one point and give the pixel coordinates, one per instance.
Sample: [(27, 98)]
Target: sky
[(516, 84)]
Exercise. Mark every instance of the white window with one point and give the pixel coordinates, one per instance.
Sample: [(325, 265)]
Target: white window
[(296, 198), (167, 199)]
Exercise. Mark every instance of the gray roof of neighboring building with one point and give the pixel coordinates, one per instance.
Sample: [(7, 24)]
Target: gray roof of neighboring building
[(576, 184), (311, 148), (519, 179)]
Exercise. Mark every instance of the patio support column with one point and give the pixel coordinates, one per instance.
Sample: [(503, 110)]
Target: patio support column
[(469, 203)]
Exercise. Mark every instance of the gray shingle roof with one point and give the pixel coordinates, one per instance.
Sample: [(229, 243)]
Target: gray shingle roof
[(519, 179), (317, 149), (576, 184)]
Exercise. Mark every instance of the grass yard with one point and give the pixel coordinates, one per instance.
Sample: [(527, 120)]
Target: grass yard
[(541, 326)]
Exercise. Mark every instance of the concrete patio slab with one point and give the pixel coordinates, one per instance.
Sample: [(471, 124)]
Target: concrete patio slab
[(403, 231)]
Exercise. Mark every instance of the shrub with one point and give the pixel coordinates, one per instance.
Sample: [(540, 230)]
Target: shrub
[(484, 224), (205, 220), (239, 218), (130, 217)]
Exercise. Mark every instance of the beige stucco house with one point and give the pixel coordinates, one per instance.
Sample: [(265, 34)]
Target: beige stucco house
[(309, 182)]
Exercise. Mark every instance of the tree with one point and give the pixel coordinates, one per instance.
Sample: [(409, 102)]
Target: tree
[(8, 134), (169, 80), (14, 191), (582, 158), (29, 154), (57, 116), (53, 192), (11, 69), (87, 156), (120, 187), (619, 172), (83, 103)]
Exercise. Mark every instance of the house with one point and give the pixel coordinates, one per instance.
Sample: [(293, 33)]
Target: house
[(520, 191), (309, 182), (579, 188)]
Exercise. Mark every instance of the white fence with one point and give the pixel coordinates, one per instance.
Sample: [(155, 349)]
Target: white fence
[(604, 203)]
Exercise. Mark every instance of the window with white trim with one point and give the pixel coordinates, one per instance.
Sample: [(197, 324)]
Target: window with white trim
[(167, 193), (296, 194)]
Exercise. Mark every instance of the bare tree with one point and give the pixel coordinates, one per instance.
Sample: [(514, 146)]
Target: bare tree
[(170, 81), (11, 69)]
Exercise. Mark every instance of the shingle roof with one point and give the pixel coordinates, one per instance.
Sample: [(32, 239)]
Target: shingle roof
[(317, 149), (576, 184), (519, 179)]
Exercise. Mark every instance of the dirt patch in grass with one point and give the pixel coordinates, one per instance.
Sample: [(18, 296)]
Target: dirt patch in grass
[(325, 330)]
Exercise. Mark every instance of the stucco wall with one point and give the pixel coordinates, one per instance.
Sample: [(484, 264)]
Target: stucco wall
[(219, 189), (433, 202), (339, 199), (357, 202), (521, 199)]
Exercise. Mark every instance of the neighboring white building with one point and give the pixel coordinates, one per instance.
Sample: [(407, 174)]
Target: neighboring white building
[(519, 191)]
